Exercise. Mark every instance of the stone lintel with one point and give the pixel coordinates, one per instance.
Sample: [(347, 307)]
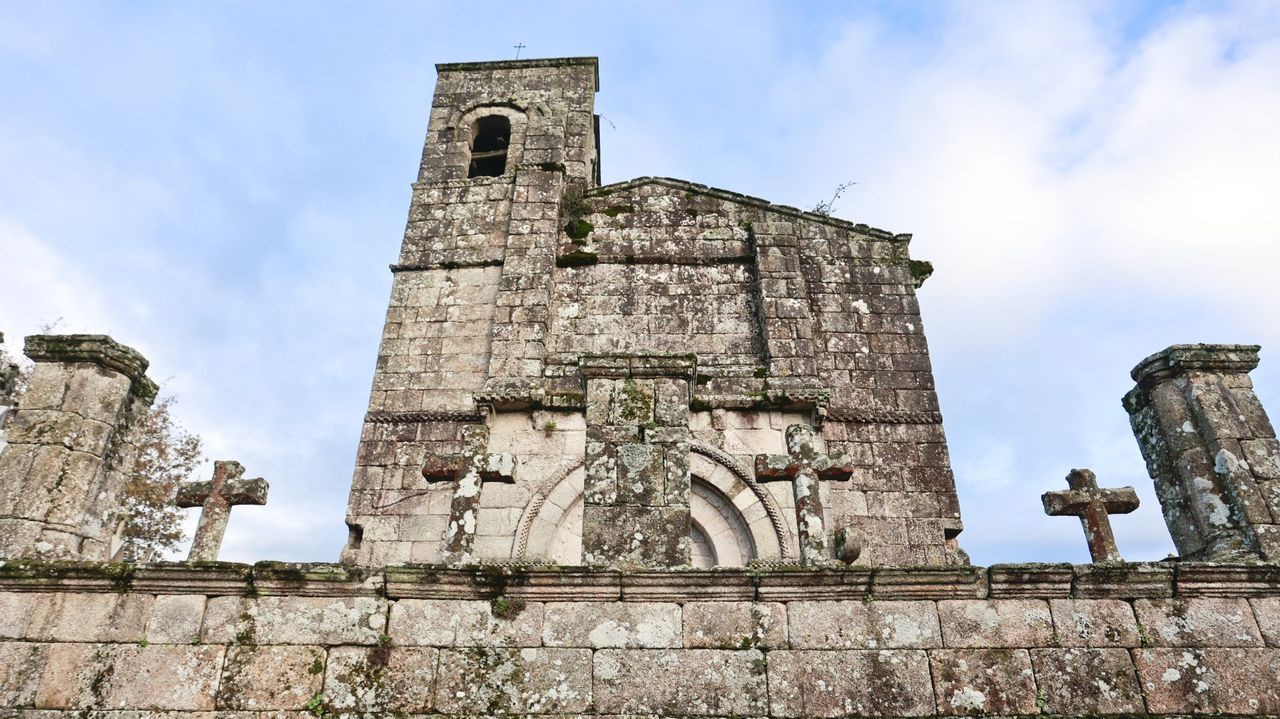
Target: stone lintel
[(95, 349), (636, 366)]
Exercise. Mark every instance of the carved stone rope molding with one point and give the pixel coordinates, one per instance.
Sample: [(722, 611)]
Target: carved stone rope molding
[(888, 416), (521, 545), (431, 415)]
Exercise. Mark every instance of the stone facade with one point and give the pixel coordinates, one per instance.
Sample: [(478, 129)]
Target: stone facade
[(546, 307)]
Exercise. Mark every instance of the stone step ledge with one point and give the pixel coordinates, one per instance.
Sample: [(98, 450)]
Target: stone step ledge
[(562, 583)]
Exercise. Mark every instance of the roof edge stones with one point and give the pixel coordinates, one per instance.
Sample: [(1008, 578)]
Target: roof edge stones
[(585, 60), (750, 201)]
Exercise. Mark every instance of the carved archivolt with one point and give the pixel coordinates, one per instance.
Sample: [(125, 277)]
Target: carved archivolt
[(726, 460), (732, 513), (520, 547)]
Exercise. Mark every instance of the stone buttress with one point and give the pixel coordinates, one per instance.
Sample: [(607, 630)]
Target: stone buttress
[(523, 285)]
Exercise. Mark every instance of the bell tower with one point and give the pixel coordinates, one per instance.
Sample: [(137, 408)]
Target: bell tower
[(471, 288)]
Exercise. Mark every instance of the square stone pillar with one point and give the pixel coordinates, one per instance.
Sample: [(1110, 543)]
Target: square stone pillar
[(70, 447), (636, 491), (1210, 449)]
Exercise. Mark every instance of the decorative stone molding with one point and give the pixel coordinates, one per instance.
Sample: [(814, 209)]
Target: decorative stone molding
[(534, 581), (852, 416), (438, 415)]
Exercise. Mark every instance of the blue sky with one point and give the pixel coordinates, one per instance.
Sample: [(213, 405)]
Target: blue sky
[(222, 186)]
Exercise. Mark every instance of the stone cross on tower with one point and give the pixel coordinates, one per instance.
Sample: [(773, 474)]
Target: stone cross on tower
[(217, 497), (470, 469), (804, 465), (1092, 506)]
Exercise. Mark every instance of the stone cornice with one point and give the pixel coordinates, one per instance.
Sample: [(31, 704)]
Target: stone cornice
[(95, 349), (553, 583), (586, 60), (1176, 359)]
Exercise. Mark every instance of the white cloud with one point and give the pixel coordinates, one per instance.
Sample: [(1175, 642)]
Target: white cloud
[(39, 286)]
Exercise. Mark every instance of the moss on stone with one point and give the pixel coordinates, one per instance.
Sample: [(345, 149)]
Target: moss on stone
[(577, 258), (504, 608), (920, 271), (615, 210)]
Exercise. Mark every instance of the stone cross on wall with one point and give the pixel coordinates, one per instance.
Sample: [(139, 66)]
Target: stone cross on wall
[(470, 469), (217, 497), (804, 466), (1093, 506)]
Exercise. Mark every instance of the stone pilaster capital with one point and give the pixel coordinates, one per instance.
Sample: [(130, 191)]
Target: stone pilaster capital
[(1178, 359), (95, 349)]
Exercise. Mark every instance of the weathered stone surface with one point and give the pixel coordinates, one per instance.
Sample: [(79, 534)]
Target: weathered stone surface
[(1210, 681), (995, 623), (459, 623), (695, 682), (1198, 622), (1093, 506), (294, 620), (91, 618), (735, 625), (863, 625), (1197, 419), (613, 625), (227, 489), (1086, 681), (1266, 610), (69, 446), (20, 672), (126, 676), (1094, 623), (983, 682), (380, 680), (175, 619), (15, 611), (513, 681), (891, 682), (257, 678), (805, 465), (636, 536)]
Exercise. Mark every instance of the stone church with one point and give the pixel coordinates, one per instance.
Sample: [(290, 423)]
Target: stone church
[(641, 449), (624, 352)]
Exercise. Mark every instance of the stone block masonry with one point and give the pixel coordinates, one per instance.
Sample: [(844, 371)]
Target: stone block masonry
[(1210, 449), (320, 640), (512, 279), (70, 447)]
